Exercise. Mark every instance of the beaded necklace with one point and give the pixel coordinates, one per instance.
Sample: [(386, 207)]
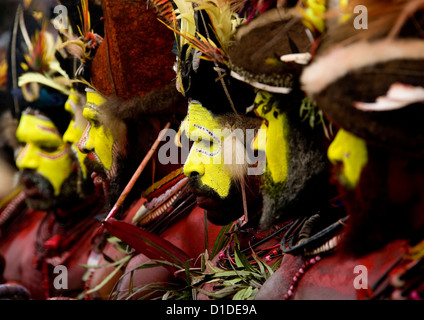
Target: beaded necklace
[(299, 274)]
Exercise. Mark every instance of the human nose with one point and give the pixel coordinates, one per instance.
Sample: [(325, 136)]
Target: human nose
[(85, 144), (193, 166)]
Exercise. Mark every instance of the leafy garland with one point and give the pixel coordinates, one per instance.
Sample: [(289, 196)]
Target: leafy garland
[(241, 282)]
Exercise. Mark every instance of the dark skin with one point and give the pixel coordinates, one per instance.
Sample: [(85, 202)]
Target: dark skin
[(187, 233), (385, 218), (387, 203), (223, 211)]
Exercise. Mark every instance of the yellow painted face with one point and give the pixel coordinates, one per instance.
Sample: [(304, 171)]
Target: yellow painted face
[(75, 129), (272, 136), (206, 156), (351, 152), (44, 150), (95, 139)]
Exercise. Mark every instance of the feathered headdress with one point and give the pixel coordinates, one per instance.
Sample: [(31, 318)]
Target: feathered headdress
[(3, 72), (85, 34), (204, 32), (35, 77)]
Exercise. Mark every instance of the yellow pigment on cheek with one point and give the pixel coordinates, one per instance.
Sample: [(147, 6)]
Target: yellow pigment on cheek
[(56, 167), (36, 134), (100, 141), (205, 156), (277, 148), (259, 143), (352, 152), (75, 129), (72, 135), (73, 100), (276, 142)]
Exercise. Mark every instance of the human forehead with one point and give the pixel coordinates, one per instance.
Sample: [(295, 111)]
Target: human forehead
[(201, 122), (265, 103), (39, 130), (93, 101), (72, 103), (90, 113)]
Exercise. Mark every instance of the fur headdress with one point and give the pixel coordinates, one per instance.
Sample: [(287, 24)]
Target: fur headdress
[(370, 81), (271, 50), (135, 59), (135, 56)]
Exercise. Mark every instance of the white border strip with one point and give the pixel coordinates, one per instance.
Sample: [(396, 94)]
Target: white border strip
[(261, 86)]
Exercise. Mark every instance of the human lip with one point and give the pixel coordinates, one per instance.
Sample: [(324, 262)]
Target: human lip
[(206, 202), (30, 187), (97, 179)]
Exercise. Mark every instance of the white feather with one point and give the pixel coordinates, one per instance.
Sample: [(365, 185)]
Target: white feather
[(398, 96)]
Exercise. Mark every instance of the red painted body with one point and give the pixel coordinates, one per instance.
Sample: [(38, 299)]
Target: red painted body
[(331, 278), (25, 264), (187, 234)]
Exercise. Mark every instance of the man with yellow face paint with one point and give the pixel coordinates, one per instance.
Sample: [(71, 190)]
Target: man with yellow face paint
[(349, 154), (76, 127), (295, 182), (297, 171), (51, 221), (217, 161), (50, 177), (270, 53), (131, 98), (377, 157), (44, 152), (97, 142)]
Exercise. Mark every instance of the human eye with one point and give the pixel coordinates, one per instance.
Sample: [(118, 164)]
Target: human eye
[(49, 149), (91, 116), (95, 123)]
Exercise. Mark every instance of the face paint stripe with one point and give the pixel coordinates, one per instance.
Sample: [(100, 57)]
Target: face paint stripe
[(209, 132), (92, 106), (52, 130), (207, 153), (84, 137), (21, 154), (53, 157)]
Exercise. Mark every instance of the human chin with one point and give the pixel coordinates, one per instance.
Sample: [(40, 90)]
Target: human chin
[(219, 210), (38, 190)]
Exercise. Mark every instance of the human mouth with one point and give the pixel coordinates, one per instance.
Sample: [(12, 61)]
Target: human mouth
[(206, 203), (30, 187), (97, 179)]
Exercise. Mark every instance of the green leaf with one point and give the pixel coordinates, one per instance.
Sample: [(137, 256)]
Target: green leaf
[(233, 273), (241, 260), (221, 239), (232, 282), (113, 239), (126, 258), (243, 294)]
